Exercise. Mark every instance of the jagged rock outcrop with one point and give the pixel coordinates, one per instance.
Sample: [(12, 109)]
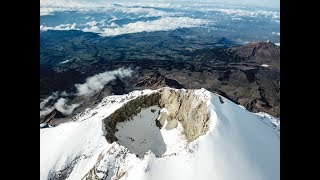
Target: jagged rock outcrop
[(157, 80), (103, 168), (186, 108), (52, 115)]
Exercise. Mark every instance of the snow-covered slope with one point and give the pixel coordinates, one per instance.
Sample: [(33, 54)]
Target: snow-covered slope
[(188, 134)]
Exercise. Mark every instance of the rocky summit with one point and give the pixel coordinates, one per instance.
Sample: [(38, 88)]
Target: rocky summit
[(179, 133)]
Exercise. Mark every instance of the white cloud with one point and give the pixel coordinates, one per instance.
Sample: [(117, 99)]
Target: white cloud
[(92, 85), (64, 93), (92, 23), (113, 24), (46, 111), (48, 7), (159, 3), (44, 102), (277, 33), (163, 24), (51, 6), (46, 12), (275, 15), (61, 27), (168, 20), (145, 12), (61, 105), (94, 29), (96, 83)]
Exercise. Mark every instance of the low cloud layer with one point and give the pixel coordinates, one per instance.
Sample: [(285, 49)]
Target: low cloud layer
[(166, 15), (48, 7), (96, 83), (45, 101), (163, 24), (61, 105), (61, 27), (45, 111), (93, 84), (57, 100), (276, 33)]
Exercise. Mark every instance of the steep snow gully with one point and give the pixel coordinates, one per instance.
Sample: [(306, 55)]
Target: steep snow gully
[(163, 134)]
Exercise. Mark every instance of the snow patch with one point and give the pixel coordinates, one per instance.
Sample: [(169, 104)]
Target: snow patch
[(141, 133)]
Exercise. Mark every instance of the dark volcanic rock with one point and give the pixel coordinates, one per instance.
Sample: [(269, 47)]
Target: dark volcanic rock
[(259, 52), (117, 87), (52, 115), (156, 81), (235, 73)]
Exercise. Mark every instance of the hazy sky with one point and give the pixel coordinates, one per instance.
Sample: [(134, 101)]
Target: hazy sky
[(263, 3)]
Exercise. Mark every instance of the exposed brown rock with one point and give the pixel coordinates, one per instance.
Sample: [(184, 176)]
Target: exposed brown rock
[(185, 108)]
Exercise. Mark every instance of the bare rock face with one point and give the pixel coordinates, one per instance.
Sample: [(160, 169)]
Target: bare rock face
[(188, 109), (52, 115), (157, 80), (103, 169), (64, 172)]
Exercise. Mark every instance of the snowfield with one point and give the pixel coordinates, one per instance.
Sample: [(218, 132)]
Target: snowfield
[(237, 145)]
